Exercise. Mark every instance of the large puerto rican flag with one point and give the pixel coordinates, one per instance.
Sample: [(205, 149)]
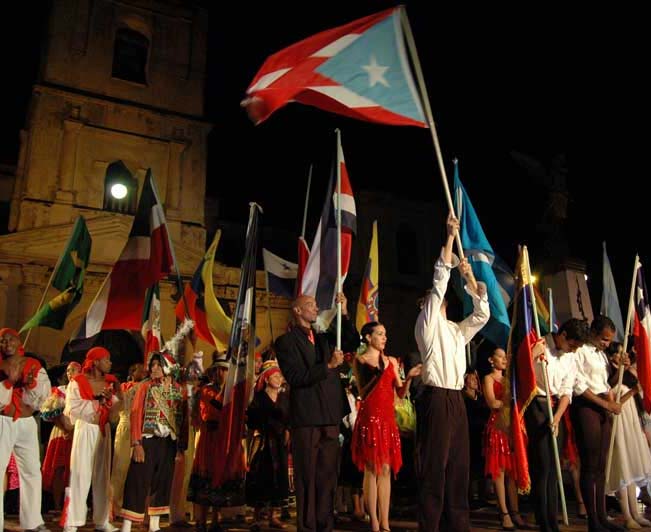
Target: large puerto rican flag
[(145, 259), (360, 69), (642, 333), (320, 276)]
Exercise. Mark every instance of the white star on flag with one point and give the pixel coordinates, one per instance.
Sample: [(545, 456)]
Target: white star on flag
[(375, 73)]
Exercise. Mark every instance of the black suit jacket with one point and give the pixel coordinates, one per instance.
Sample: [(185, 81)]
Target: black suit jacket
[(316, 395)]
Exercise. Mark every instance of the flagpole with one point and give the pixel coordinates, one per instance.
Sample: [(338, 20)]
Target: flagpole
[(266, 279), (307, 199), (339, 283), (550, 412), (432, 127), (173, 253), (620, 372), (49, 283), (551, 310)]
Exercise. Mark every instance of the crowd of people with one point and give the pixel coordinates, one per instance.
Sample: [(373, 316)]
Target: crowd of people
[(323, 417)]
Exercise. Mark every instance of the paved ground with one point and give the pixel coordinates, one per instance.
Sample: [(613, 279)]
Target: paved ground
[(483, 520)]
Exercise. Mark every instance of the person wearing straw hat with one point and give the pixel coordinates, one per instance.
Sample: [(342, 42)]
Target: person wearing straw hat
[(267, 480), (24, 386)]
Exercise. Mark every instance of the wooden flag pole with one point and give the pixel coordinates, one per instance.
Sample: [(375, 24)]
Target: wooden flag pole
[(411, 44), (307, 200), (49, 283), (550, 412), (620, 372)]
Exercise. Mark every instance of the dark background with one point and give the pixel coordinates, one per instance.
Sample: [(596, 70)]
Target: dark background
[(538, 80)]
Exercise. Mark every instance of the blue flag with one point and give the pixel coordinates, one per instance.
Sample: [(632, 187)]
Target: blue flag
[(609, 300), (485, 265)]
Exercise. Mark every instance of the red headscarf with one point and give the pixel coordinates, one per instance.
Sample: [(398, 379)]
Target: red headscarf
[(96, 353), (14, 333)]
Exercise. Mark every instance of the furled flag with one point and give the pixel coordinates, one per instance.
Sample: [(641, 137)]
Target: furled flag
[(68, 279), (320, 277), (211, 322), (360, 70), (145, 259), (481, 258), (281, 274), (520, 372), (609, 300), (303, 256), (642, 334), (151, 321), (241, 376), (367, 307)]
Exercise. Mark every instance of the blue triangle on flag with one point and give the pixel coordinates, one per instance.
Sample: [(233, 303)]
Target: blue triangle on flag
[(376, 67)]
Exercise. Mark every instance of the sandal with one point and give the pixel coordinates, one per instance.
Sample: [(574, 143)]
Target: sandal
[(503, 515), (582, 514)]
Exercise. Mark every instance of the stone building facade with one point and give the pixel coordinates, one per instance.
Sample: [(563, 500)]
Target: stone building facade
[(120, 90)]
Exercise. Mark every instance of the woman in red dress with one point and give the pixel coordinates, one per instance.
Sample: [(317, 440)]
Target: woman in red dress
[(499, 459), (376, 438)]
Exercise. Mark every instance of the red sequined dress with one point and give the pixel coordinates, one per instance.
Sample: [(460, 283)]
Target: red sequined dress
[(497, 451), (376, 439)]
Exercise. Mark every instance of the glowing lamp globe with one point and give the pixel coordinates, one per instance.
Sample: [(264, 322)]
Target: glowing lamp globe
[(118, 191)]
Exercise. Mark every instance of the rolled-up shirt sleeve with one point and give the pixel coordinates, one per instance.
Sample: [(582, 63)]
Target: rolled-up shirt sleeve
[(78, 408), (481, 312), (568, 381)]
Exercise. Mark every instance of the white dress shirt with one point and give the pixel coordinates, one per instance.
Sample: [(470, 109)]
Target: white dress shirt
[(561, 371), (442, 342), (591, 370)]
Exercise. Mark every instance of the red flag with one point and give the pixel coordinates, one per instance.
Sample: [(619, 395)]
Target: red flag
[(145, 259), (359, 70), (521, 375), (642, 333)]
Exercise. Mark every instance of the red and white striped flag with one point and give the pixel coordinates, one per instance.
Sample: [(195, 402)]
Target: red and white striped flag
[(642, 333), (145, 259)]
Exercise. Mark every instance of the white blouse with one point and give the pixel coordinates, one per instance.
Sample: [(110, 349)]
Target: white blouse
[(591, 370)]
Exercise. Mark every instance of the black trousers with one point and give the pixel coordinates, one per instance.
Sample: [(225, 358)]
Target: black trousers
[(315, 451), (542, 466), (592, 425), (443, 461), (152, 477)]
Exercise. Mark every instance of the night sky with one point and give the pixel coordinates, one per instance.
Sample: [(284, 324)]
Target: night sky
[(540, 82)]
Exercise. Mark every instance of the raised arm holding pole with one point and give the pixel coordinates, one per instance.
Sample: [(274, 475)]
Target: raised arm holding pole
[(411, 44)]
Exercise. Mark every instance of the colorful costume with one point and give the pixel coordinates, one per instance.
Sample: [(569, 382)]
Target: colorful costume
[(498, 456), (159, 424), (57, 455), (376, 438)]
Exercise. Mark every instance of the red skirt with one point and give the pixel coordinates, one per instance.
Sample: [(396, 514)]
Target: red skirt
[(498, 456), (57, 457)]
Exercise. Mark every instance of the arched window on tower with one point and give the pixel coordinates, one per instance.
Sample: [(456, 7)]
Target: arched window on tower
[(130, 54), (408, 250), (120, 189)]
